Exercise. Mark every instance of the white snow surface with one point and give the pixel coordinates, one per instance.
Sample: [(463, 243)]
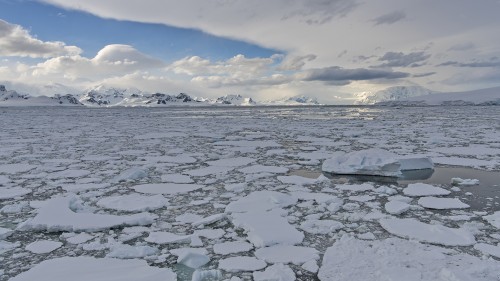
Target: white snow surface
[(237, 264), (43, 246), (57, 215), (166, 188), (95, 269), (442, 203), (397, 259), (423, 189), (430, 233), (287, 254), (133, 202)]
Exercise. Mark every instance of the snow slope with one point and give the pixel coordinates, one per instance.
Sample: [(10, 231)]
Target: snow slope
[(396, 93)]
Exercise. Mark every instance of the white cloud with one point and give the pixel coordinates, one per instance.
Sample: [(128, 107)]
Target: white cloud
[(16, 41), (326, 28)]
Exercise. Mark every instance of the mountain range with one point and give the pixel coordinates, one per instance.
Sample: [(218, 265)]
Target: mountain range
[(103, 96)]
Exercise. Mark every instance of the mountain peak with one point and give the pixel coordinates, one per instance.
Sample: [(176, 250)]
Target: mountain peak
[(395, 93)]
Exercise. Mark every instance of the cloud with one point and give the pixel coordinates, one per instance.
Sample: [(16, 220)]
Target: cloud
[(341, 76), (493, 62), (16, 41), (462, 47), (426, 74), (399, 59), (314, 12), (296, 62), (109, 61), (389, 18)]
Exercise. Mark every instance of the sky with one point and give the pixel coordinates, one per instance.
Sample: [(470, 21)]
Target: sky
[(334, 50)]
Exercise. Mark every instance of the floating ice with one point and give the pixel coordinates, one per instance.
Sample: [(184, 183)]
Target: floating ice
[(15, 168), (237, 264), (267, 228), (193, 259), (13, 192), (321, 226), (231, 162), (488, 249), (423, 189), (133, 202), (95, 269), (124, 251), (298, 180), (397, 259), (176, 178), (278, 272), (57, 215), (431, 233), (396, 207), (4, 180), (261, 200), (355, 187), (131, 174), (375, 162), (43, 246), (80, 238), (442, 203), (460, 181), (287, 254), (167, 238), (493, 219), (80, 187), (227, 248), (166, 188), (263, 169), (5, 232)]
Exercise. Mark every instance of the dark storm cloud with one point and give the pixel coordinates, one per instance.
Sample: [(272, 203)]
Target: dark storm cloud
[(337, 75), (399, 59), (389, 18), (418, 75), (494, 62)]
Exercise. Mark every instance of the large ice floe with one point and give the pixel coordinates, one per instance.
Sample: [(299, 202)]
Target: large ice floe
[(374, 162)]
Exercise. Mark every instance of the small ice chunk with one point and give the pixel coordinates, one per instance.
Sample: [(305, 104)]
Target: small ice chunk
[(297, 180), (231, 162), (396, 207), (375, 162), (4, 180), (460, 181), (193, 259), (493, 219), (311, 266), (201, 275), (95, 269), (133, 202), (267, 228), (176, 178), (232, 247), (209, 220), (131, 174), (488, 249), (167, 238), (80, 238), (355, 187), (13, 192), (14, 208), (423, 189), (287, 254), (12, 169), (263, 169), (261, 200), (237, 264), (321, 226), (442, 203), (124, 251), (5, 232), (81, 187), (188, 218), (43, 246), (166, 188), (430, 233), (278, 272)]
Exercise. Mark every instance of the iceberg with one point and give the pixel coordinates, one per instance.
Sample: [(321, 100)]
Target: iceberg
[(374, 162)]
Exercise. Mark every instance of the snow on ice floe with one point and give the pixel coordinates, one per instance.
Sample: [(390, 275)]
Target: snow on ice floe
[(95, 269), (493, 219), (488, 249), (131, 174), (69, 173), (397, 259), (430, 233), (192, 257), (4, 180), (43, 246), (237, 264), (176, 178), (460, 181), (355, 187), (278, 272), (5, 232), (124, 251), (261, 200), (321, 226), (163, 237), (133, 202), (396, 207), (442, 203), (233, 247), (13, 192), (423, 189), (56, 215), (287, 254), (267, 228), (11, 169), (263, 169), (231, 162), (298, 180), (81, 187), (375, 162), (166, 188)]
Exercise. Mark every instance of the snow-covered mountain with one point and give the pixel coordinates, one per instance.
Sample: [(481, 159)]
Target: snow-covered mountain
[(295, 100), (13, 98), (489, 96), (396, 93), (235, 100)]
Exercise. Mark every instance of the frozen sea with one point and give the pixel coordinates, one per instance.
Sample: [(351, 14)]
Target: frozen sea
[(225, 193)]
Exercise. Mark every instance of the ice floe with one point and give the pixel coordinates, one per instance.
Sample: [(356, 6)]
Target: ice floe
[(133, 202), (95, 269), (374, 162), (430, 233), (442, 203), (278, 272), (237, 264), (43, 246), (423, 189), (166, 188), (287, 254), (56, 215), (397, 259)]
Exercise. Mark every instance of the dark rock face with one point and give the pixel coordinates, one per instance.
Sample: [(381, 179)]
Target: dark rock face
[(2, 88)]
